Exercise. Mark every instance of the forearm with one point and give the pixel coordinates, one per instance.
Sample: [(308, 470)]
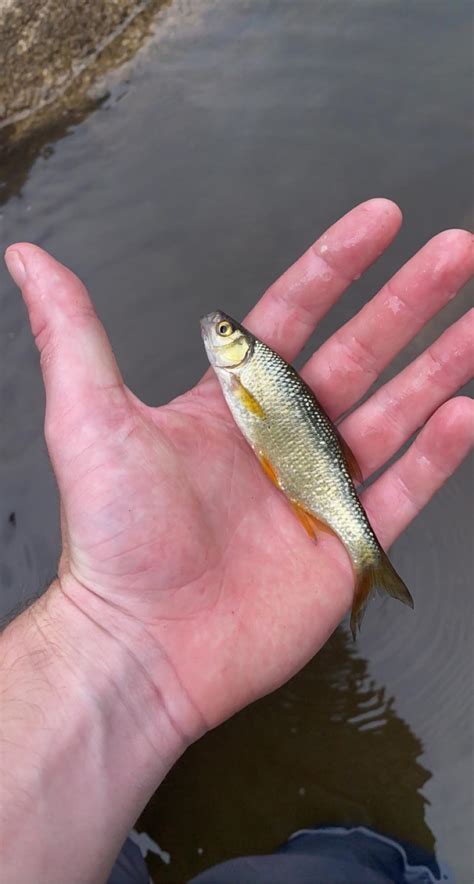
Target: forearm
[(84, 741)]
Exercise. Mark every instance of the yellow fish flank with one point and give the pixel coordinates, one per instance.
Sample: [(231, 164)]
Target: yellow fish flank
[(300, 450)]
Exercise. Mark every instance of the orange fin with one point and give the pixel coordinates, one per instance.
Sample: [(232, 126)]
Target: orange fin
[(379, 575), (305, 519), (350, 459), (268, 469), (322, 526), (248, 401), (310, 522)]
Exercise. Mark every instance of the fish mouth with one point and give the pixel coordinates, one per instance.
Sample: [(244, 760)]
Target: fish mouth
[(209, 321)]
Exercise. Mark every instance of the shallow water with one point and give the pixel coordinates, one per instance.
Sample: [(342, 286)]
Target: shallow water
[(239, 132)]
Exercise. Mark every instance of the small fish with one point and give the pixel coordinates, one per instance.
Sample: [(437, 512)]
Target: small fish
[(300, 450)]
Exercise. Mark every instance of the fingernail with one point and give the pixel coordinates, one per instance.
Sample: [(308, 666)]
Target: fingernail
[(16, 267)]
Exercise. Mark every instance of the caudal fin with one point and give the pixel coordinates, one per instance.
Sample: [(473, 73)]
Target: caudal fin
[(379, 575)]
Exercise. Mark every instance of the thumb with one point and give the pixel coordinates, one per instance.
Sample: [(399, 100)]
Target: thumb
[(81, 376)]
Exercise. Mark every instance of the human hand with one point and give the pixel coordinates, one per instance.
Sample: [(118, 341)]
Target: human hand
[(172, 534)]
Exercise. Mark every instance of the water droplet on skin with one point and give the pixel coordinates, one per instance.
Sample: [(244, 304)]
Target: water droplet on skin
[(323, 249), (422, 461), (394, 304)]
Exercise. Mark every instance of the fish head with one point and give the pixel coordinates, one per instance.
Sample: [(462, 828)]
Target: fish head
[(228, 345)]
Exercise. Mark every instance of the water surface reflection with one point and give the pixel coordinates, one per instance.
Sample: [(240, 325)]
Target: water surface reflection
[(328, 747)]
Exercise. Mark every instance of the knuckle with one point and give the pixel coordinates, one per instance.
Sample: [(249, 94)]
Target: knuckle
[(359, 354)]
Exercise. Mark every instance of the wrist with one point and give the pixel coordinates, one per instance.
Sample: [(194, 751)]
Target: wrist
[(131, 666), (90, 725)]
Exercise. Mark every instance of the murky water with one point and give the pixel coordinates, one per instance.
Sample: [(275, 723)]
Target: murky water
[(240, 131)]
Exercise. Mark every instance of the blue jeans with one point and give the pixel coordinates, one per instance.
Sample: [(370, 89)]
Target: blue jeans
[(330, 855)]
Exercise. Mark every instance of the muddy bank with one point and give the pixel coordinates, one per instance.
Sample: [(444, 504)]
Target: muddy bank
[(52, 51)]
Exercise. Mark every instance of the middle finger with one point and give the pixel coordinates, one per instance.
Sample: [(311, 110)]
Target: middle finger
[(348, 363), (287, 314)]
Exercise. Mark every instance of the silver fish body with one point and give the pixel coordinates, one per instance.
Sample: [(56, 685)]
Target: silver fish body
[(291, 434)]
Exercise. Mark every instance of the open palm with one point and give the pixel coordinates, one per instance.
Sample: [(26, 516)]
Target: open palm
[(168, 520)]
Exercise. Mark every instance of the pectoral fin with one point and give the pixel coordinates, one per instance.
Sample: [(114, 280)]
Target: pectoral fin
[(248, 401)]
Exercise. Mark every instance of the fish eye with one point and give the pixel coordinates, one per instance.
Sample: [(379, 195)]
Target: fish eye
[(224, 328)]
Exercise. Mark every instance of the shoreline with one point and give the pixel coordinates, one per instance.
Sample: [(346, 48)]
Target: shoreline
[(52, 61)]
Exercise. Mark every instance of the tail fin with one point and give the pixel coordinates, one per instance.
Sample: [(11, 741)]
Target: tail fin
[(381, 575)]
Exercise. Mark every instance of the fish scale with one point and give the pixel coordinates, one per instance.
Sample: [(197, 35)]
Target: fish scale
[(312, 470)]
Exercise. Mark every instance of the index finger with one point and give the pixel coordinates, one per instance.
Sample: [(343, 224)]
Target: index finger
[(289, 311)]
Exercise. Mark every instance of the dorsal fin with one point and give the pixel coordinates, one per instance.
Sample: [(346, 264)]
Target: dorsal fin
[(350, 458)]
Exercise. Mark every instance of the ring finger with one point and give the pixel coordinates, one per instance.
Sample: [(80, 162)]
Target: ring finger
[(382, 424)]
